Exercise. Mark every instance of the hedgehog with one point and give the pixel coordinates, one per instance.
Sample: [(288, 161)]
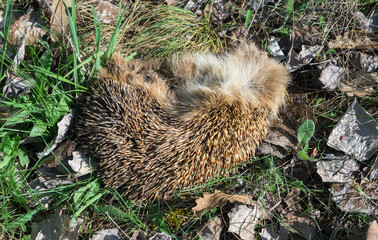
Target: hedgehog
[(156, 133)]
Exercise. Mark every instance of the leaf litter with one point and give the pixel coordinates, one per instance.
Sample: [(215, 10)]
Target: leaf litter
[(30, 26), (356, 133), (56, 226), (112, 234), (212, 230), (107, 12)]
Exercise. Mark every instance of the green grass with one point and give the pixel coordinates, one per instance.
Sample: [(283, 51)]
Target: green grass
[(54, 88)]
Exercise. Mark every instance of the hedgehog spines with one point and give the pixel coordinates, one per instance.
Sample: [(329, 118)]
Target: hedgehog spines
[(152, 139)]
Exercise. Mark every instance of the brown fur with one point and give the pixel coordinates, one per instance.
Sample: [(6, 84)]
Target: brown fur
[(152, 140)]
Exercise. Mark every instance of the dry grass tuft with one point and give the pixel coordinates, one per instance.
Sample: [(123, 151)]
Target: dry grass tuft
[(153, 31)]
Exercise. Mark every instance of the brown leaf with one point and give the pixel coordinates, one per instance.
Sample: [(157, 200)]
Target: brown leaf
[(212, 230), (372, 233), (307, 35), (356, 40), (296, 110), (294, 217), (171, 2), (270, 232), (59, 23), (107, 12), (359, 84), (106, 234), (30, 26), (220, 11), (62, 151), (17, 84), (218, 199), (138, 235), (356, 198), (243, 220), (279, 141)]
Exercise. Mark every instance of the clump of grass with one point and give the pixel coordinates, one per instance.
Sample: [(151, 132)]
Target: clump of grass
[(155, 31), (168, 29)]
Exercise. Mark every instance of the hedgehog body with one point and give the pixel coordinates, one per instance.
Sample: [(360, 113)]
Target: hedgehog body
[(153, 138)]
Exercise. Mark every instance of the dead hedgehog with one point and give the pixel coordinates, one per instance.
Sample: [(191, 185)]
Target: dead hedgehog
[(154, 135)]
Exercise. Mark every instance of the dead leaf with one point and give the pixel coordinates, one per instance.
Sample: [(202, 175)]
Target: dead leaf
[(367, 62), (304, 57), (62, 151), (360, 84), (56, 226), (218, 199), (52, 178), (106, 234), (337, 169), (17, 83), (275, 49), (17, 86), (294, 217), (212, 230), (161, 236), (107, 12), (307, 35), (257, 5), (374, 171), (356, 198), (171, 2), (355, 133), (279, 141), (220, 11), (59, 20), (331, 76), (239, 35), (270, 203), (2, 15), (50, 228), (196, 6), (30, 26), (372, 233), (295, 112), (357, 39), (361, 20), (72, 231), (64, 126), (38, 186), (79, 164), (139, 235), (373, 21), (299, 169), (270, 232), (243, 220)]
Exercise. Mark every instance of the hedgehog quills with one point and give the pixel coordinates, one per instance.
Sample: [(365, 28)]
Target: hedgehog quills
[(154, 134)]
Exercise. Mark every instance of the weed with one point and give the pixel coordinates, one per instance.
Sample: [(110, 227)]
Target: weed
[(304, 134)]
